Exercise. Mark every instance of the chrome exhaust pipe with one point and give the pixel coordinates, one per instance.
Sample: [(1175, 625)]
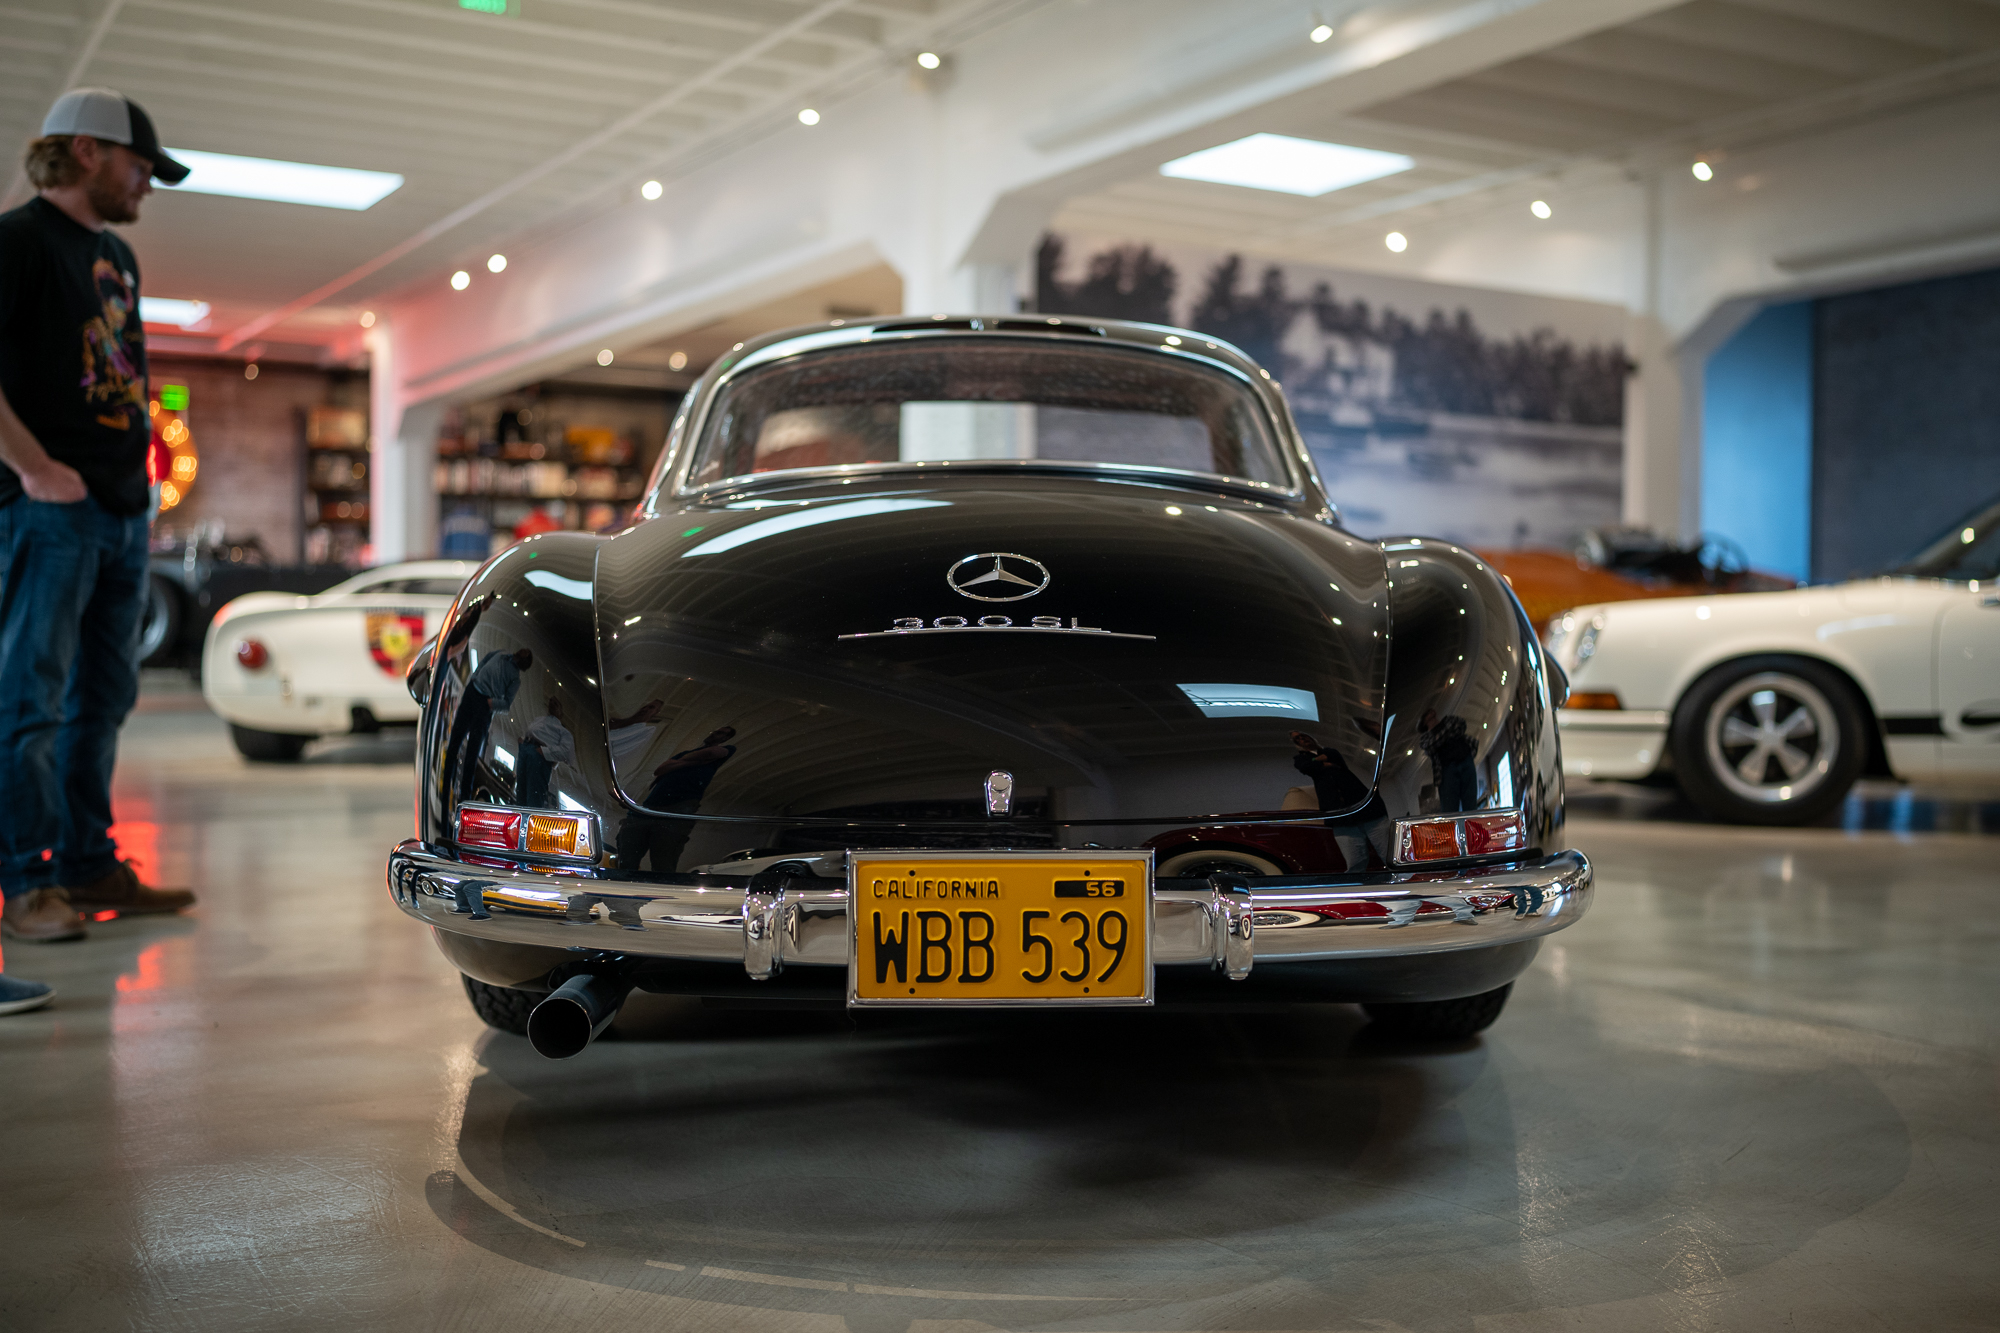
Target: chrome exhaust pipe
[(574, 1014)]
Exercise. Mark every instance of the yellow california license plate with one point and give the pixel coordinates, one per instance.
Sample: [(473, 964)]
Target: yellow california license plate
[(1000, 928)]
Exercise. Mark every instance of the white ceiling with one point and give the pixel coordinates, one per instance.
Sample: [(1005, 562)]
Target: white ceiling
[(1701, 78), (498, 123)]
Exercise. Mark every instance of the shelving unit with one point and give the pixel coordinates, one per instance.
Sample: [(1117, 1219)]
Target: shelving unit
[(541, 460), (336, 493)]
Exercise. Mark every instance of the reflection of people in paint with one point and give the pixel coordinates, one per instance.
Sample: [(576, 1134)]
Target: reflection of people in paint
[(455, 642), (629, 736), (547, 744), (1451, 752), (1358, 834), (678, 784), (491, 690)]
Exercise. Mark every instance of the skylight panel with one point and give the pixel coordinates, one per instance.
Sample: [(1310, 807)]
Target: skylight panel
[(1291, 166), (284, 182)]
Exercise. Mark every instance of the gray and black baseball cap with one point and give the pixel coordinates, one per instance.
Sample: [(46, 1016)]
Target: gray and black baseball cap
[(115, 118)]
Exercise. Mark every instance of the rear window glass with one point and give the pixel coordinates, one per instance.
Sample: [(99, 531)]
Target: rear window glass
[(986, 402)]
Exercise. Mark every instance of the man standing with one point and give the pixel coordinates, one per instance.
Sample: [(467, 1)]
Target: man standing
[(73, 521)]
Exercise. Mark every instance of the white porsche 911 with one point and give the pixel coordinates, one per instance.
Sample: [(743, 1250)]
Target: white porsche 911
[(1765, 707), (284, 670)]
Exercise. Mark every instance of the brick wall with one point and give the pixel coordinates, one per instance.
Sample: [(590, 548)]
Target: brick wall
[(250, 439)]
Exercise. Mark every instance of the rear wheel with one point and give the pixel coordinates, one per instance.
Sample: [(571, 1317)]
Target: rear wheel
[(1769, 740), (267, 747), (501, 1007), (160, 624), (1441, 1020)]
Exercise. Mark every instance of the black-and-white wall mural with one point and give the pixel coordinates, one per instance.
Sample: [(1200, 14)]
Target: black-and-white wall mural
[(1491, 418)]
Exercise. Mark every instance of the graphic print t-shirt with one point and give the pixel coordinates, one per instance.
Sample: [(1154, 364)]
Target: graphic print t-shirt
[(73, 351)]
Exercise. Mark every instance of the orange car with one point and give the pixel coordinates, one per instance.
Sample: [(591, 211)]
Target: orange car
[(1623, 565)]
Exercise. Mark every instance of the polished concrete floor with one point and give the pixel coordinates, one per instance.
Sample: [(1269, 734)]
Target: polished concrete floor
[(1754, 1089)]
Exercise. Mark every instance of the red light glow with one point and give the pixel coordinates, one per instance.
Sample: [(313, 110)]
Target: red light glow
[(252, 655)]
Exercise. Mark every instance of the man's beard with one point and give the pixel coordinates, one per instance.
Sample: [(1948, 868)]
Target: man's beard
[(109, 201)]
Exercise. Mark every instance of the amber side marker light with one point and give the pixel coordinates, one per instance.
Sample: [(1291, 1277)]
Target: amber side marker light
[(252, 655), (1603, 700), (1448, 837), (542, 833)]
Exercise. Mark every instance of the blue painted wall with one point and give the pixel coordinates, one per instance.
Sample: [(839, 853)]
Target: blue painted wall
[(1757, 439)]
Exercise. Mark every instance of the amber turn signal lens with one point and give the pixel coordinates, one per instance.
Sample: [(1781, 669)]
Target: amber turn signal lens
[(479, 827), (559, 835), (1603, 699), (252, 655), (1433, 840)]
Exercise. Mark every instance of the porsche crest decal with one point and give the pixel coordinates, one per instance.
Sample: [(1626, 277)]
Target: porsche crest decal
[(393, 639)]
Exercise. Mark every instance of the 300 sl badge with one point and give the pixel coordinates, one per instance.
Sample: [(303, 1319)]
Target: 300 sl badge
[(991, 624), (964, 575)]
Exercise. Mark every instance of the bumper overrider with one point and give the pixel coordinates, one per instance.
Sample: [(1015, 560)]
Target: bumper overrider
[(770, 919)]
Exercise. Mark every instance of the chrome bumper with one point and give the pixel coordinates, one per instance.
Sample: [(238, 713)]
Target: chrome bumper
[(768, 921)]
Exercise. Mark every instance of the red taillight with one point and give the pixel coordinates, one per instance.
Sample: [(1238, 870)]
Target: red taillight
[(252, 655), (1487, 834), (1447, 837), (552, 833), (480, 827)]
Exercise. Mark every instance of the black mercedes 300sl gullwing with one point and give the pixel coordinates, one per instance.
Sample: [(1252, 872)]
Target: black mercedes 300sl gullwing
[(980, 662)]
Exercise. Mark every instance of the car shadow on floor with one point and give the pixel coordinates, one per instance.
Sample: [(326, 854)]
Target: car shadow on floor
[(394, 745), (1873, 806), (797, 1162)]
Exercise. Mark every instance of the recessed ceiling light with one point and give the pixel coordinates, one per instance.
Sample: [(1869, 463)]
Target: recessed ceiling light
[(496, 263), (1293, 166), (1540, 208), (1320, 33), (1703, 171), (368, 319), (460, 280), (929, 59), (808, 116), (284, 182), (1396, 241), (166, 310), (604, 357), (651, 190), (678, 361)]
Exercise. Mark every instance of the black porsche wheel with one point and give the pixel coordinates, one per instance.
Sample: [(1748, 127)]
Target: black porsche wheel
[(160, 624), (501, 1007), (1768, 740), (267, 747), (1441, 1020)]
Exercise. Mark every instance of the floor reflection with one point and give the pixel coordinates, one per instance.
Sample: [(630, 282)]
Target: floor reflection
[(1116, 1164)]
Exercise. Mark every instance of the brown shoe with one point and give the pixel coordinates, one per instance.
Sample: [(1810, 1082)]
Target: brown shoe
[(120, 891), (43, 916)]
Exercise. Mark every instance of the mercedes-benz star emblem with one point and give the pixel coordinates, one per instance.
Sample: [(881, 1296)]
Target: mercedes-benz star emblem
[(997, 576)]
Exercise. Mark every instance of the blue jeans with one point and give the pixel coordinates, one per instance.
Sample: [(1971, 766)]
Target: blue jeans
[(72, 591)]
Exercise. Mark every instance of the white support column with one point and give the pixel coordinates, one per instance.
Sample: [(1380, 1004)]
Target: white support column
[(1653, 395), (402, 498)]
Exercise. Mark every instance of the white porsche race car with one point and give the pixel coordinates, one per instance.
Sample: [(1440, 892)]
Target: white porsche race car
[(1765, 707), (284, 670)]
